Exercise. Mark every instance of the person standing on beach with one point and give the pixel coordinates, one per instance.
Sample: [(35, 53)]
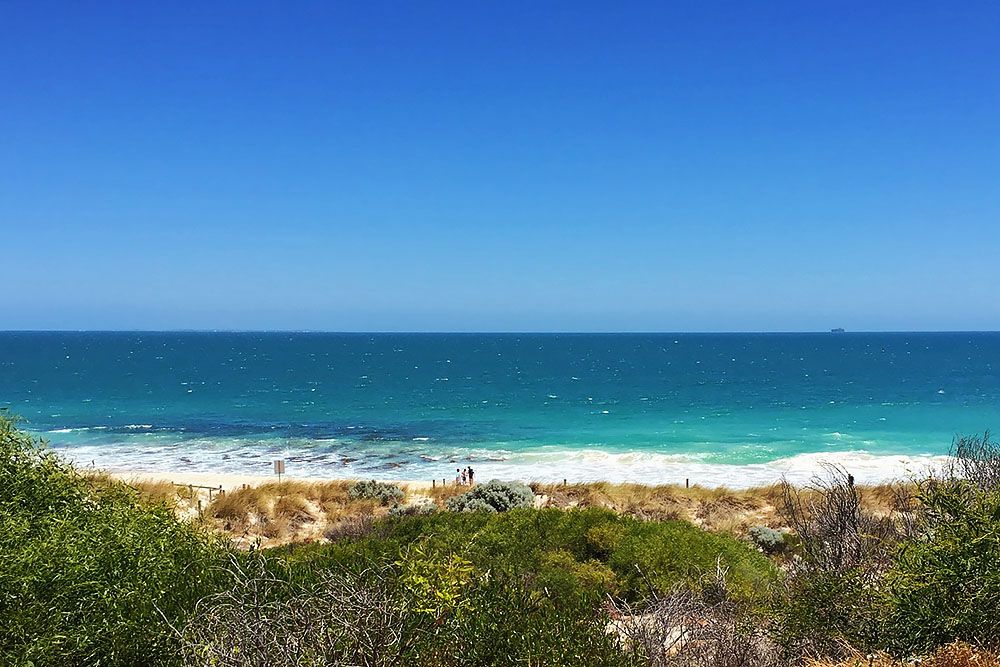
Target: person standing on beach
[(472, 476), (458, 477), (464, 477)]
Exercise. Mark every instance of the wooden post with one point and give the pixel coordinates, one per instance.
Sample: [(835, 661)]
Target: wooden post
[(434, 483), (564, 481), (687, 483)]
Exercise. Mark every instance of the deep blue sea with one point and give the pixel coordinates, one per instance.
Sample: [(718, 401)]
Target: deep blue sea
[(731, 409)]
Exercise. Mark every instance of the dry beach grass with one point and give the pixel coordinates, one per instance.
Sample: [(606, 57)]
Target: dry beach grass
[(270, 513)]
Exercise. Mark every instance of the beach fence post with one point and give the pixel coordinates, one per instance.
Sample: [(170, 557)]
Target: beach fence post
[(279, 468), (687, 483), (199, 508), (564, 481), (434, 483)]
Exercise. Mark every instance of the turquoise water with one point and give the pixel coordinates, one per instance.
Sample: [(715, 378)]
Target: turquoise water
[(718, 408)]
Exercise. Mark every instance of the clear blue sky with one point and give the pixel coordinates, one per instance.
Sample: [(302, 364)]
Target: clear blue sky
[(500, 166)]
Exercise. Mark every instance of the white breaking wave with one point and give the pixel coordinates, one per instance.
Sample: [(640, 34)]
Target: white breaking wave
[(652, 468), (328, 460), (79, 429)]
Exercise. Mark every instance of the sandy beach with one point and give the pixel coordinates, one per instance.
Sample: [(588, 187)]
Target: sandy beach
[(232, 481), (595, 466)]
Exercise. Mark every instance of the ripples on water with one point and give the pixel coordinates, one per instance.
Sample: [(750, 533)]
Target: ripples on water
[(642, 407)]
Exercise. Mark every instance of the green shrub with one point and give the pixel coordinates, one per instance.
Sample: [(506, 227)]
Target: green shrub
[(604, 538), (519, 543), (821, 613), (945, 585), (414, 509), (508, 624), (769, 540), (562, 576), (494, 496), (384, 493), (90, 575), (931, 580), (664, 554), (423, 610)]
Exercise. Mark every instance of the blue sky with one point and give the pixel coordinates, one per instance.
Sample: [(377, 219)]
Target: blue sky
[(686, 166)]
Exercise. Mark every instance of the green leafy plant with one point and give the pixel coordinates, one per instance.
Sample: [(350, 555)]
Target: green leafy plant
[(438, 584), (494, 496), (769, 540), (382, 492), (90, 574), (422, 508), (945, 585)]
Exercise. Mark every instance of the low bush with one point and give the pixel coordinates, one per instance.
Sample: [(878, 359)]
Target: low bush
[(975, 459), (769, 540), (682, 629), (382, 492), (523, 543), (945, 584), (90, 574), (421, 508), (662, 554), (350, 527), (563, 577), (266, 618), (425, 609), (93, 573), (829, 614), (494, 496), (835, 529), (509, 624), (904, 585)]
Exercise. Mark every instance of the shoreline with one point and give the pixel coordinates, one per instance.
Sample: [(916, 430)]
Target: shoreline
[(231, 481), (867, 469)]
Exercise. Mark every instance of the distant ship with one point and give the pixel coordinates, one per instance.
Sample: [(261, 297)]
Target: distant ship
[(837, 330)]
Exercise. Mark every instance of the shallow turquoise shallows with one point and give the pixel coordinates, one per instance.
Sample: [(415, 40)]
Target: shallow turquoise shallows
[(728, 409)]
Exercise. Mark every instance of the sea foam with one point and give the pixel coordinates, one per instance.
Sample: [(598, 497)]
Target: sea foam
[(314, 461)]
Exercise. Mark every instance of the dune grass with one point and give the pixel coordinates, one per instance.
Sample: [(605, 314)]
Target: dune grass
[(278, 512)]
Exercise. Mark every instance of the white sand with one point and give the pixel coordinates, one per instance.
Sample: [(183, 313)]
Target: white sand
[(230, 481)]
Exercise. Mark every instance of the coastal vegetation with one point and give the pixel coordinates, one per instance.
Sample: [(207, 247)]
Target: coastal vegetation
[(89, 573), (99, 572), (494, 496)]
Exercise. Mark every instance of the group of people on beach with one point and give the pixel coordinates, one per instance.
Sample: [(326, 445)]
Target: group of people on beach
[(466, 477)]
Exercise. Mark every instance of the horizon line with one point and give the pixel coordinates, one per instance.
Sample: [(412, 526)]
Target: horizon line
[(505, 332)]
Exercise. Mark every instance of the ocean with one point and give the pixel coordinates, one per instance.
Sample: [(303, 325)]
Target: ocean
[(718, 409)]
